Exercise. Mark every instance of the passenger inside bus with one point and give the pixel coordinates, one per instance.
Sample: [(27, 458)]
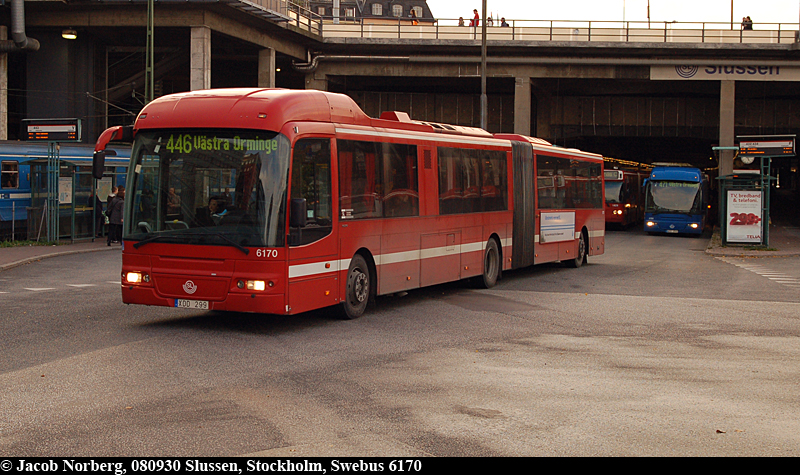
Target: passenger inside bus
[(213, 213)]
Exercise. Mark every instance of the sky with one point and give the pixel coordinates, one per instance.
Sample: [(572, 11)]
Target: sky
[(765, 11)]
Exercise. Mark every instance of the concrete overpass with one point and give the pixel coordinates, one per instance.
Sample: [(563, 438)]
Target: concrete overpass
[(637, 91)]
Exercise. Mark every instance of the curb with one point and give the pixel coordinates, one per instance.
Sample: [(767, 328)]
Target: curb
[(28, 260), (716, 250)]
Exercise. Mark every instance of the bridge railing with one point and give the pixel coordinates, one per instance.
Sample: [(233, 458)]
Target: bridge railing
[(565, 31), (281, 12)]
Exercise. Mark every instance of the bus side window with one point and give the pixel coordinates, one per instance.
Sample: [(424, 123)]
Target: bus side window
[(401, 196), (10, 175)]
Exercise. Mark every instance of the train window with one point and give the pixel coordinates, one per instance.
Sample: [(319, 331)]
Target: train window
[(10, 175)]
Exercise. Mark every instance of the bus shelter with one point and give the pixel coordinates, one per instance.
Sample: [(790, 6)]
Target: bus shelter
[(78, 217)]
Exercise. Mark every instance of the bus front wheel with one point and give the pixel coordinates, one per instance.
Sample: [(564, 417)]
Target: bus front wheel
[(358, 288)]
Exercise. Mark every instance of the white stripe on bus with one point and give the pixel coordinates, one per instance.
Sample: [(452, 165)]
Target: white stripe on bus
[(318, 268)]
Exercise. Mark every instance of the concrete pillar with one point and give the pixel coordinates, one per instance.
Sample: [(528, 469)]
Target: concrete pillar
[(727, 106), (3, 87), (543, 100), (266, 67), (317, 81), (200, 58), (522, 106)]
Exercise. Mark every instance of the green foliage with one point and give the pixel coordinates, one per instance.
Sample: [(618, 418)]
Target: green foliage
[(29, 243)]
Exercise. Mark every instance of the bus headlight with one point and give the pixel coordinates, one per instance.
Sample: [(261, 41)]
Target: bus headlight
[(136, 277), (255, 285), (650, 224), (694, 225)]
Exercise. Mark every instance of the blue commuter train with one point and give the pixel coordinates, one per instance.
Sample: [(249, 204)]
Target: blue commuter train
[(23, 168)]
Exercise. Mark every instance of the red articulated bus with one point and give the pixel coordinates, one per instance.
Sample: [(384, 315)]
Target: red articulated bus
[(624, 195), (283, 201)]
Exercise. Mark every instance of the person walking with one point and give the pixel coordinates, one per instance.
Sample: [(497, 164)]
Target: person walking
[(115, 208), (99, 218)]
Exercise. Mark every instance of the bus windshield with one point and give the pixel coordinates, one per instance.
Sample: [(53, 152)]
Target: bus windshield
[(214, 187), (613, 191), (673, 197)]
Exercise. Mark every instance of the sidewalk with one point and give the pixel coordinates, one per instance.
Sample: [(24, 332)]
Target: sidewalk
[(16, 256), (784, 241)]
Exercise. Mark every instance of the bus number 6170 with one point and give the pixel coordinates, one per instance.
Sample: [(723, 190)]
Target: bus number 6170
[(267, 253)]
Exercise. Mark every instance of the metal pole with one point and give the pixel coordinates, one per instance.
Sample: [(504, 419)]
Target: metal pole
[(53, 174), (484, 100), (149, 82), (765, 190)]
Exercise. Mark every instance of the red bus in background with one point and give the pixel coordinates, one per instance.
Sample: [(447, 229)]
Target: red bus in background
[(624, 196), (293, 200)]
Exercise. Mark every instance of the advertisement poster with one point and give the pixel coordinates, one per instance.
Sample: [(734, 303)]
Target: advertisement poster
[(65, 190), (557, 227), (744, 216), (104, 188)]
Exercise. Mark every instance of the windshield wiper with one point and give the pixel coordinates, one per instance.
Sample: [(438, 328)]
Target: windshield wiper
[(151, 239), (225, 238), (230, 241)]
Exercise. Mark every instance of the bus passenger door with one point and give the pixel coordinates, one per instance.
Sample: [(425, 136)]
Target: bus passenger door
[(313, 267)]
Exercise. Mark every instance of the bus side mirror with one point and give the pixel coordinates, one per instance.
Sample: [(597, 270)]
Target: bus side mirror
[(119, 133), (298, 213)]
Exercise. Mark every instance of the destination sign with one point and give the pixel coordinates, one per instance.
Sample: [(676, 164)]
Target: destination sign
[(52, 130), (767, 145)]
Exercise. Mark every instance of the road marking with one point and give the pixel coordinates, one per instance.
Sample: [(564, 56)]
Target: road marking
[(39, 289), (759, 269), (81, 285)]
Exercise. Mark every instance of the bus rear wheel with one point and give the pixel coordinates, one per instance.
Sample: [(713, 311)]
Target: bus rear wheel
[(358, 288), (580, 256), (491, 264)]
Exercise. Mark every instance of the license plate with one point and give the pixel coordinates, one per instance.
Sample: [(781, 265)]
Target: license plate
[(195, 304), (672, 231)]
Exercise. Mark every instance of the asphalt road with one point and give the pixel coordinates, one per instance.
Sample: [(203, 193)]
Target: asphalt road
[(653, 349)]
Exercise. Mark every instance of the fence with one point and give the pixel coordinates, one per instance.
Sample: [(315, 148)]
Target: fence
[(566, 31)]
